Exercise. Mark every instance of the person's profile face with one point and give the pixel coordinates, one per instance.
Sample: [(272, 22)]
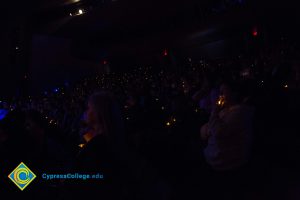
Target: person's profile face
[(226, 92)]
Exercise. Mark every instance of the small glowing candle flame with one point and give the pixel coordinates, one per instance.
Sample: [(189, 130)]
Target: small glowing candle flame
[(220, 102)]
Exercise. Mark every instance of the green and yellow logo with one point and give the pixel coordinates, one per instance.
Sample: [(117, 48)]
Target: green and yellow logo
[(22, 176)]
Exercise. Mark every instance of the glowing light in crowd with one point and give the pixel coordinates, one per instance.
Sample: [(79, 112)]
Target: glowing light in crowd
[(220, 101), (171, 121), (165, 52), (255, 32), (80, 11), (286, 86)]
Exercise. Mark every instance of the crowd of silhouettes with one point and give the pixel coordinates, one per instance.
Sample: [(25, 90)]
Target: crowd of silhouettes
[(208, 129)]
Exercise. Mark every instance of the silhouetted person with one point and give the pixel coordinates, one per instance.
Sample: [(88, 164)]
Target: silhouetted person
[(229, 135), (100, 154), (46, 151)]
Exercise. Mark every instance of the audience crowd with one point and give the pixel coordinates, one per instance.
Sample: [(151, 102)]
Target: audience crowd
[(212, 128)]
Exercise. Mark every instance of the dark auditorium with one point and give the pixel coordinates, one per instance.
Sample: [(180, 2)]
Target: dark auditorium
[(149, 100)]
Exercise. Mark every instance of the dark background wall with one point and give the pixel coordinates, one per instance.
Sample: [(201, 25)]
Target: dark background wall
[(13, 58), (52, 64), (6, 73)]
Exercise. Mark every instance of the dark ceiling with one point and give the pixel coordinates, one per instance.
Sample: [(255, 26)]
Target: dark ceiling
[(111, 24), (103, 15)]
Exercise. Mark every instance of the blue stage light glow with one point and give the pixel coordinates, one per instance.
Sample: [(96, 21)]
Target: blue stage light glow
[(3, 113)]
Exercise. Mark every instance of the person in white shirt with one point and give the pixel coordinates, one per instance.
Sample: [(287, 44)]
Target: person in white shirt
[(229, 131)]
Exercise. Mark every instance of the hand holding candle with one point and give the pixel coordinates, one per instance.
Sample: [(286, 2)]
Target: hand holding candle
[(221, 101)]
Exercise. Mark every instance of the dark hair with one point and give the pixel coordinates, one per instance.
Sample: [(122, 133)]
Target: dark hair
[(238, 88), (108, 113), (109, 116)]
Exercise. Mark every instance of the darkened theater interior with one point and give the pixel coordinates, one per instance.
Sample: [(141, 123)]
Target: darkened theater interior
[(149, 100)]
